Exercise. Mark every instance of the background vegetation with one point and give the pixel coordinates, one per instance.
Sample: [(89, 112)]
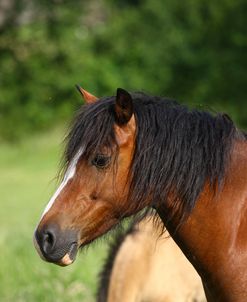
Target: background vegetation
[(26, 184), (194, 51)]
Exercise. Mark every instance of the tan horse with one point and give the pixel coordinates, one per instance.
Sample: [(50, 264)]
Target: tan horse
[(148, 266)]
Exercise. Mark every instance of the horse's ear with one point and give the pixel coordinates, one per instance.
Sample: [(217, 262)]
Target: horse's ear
[(123, 107), (88, 97)]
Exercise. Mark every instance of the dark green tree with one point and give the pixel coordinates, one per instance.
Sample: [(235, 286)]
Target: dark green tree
[(194, 51)]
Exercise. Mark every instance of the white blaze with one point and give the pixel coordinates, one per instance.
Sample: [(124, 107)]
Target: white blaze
[(68, 175)]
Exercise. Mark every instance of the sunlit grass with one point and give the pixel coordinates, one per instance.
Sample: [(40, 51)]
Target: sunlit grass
[(26, 183)]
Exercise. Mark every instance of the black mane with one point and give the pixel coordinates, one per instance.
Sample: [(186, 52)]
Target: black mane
[(177, 150)]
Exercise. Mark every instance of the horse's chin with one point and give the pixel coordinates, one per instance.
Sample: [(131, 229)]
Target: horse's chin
[(70, 256)]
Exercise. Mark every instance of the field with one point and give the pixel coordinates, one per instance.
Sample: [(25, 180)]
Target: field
[(26, 183)]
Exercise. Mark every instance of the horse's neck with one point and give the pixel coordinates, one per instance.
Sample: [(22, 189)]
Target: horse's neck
[(214, 236)]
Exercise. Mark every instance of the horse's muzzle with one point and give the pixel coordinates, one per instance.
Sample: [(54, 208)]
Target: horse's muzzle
[(56, 246)]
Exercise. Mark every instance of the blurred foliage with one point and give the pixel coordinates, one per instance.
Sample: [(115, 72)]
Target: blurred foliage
[(24, 276), (194, 51)]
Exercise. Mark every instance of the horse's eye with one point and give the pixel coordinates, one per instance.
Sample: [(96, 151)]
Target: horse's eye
[(101, 161)]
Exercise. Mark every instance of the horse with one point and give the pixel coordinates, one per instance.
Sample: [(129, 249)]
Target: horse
[(132, 152), (143, 265)]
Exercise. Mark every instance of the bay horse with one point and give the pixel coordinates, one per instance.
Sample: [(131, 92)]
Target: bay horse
[(143, 265), (134, 151)]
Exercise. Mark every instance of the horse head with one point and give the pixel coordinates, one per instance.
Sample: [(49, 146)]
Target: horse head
[(92, 197)]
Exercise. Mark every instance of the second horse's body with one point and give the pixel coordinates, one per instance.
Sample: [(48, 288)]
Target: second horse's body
[(146, 265)]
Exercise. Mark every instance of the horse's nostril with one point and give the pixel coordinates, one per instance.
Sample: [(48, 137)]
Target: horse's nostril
[(53, 244), (49, 241)]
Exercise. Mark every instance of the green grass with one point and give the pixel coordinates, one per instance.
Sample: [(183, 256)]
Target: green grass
[(26, 183)]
